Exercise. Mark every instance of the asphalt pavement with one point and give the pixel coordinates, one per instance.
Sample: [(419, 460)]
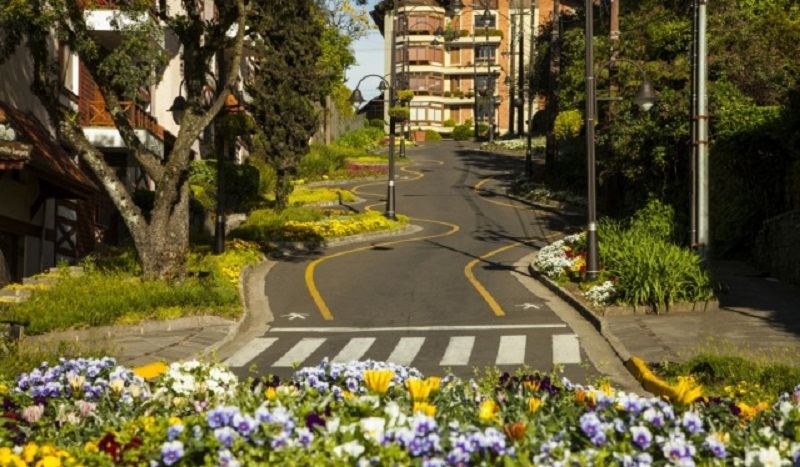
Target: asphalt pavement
[(441, 299)]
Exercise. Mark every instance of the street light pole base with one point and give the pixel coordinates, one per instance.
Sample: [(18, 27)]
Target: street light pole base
[(592, 268)]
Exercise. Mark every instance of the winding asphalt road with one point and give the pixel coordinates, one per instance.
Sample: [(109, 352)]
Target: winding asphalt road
[(442, 298)]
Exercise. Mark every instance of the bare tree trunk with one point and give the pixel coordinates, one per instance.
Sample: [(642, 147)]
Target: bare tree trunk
[(165, 253)]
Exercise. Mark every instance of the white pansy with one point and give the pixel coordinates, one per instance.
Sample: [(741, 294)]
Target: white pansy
[(372, 427), (351, 449), (764, 457)]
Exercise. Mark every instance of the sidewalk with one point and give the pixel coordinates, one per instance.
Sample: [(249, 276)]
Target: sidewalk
[(757, 316)]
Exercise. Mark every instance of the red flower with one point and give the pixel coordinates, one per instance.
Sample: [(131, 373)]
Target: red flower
[(109, 445)]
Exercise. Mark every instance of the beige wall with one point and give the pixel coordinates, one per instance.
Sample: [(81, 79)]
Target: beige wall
[(15, 86)]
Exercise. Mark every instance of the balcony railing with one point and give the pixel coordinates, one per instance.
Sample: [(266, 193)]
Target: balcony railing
[(95, 114)]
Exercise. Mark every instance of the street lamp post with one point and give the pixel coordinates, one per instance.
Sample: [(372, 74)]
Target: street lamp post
[(357, 99), (645, 98)]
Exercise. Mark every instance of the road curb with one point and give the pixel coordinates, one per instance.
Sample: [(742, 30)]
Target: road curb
[(598, 322), (288, 248)]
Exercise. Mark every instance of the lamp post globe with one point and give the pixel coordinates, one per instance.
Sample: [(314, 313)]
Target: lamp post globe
[(646, 97)]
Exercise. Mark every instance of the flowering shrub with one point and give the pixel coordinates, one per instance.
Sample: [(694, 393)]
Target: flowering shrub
[(560, 259), (344, 225), (372, 413), (602, 294)]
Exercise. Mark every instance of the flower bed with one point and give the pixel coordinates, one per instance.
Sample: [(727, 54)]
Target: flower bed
[(93, 412), (641, 264)]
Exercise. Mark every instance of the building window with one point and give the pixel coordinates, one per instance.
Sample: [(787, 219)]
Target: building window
[(485, 53), (426, 112), (481, 81)]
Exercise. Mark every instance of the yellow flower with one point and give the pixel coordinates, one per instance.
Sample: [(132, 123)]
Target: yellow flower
[(271, 393), (49, 461), (377, 381), (29, 452), (347, 395), (424, 407), (687, 391), (175, 421), (532, 386), (722, 436), (418, 389), (434, 382), (488, 410), (151, 371), (3, 389), (607, 389), (91, 447), (534, 404)]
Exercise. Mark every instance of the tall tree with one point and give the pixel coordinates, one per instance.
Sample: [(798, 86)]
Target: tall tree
[(162, 240), (285, 85)]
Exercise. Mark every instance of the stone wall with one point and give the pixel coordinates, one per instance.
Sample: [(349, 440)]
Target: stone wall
[(778, 247)]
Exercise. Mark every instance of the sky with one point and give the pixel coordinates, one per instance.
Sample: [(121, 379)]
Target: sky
[(369, 60)]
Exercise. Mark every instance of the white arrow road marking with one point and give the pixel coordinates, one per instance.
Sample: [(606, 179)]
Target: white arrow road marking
[(294, 316), (528, 306)]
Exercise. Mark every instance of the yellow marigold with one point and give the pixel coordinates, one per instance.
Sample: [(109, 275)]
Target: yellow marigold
[(151, 371), (488, 410), (377, 381), (424, 407), (534, 404), (418, 389), (49, 461)]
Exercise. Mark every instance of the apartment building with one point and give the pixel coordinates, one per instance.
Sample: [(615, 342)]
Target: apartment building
[(457, 57), (51, 210)]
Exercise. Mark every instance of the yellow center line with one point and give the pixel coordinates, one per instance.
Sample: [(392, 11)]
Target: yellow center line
[(477, 189), (311, 285)]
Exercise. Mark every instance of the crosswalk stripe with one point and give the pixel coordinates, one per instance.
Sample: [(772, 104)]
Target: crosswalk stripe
[(250, 351), (566, 349), (300, 352), (511, 351), (406, 350), (458, 351), (355, 349)]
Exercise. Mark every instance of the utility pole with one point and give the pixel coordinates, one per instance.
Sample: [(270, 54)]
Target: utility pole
[(592, 266), (552, 94), (511, 89), (693, 120), (390, 198), (529, 147), (702, 133), (521, 72)]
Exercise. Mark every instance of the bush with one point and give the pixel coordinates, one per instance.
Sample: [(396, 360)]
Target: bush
[(323, 159), (462, 132), (242, 184), (362, 138), (302, 196), (568, 124), (375, 123), (449, 123), (649, 270), (432, 135)]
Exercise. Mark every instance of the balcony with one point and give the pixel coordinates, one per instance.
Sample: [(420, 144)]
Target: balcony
[(99, 128), (100, 19)]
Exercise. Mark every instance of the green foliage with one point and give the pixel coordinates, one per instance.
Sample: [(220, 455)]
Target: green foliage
[(324, 159), (462, 132), (716, 372), (400, 113), (363, 138), (242, 184), (432, 135), (286, 85), (449, 123), (405, 95), (109, 292), (568, 124), (656, 220), (375, 123), (648, 268)]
